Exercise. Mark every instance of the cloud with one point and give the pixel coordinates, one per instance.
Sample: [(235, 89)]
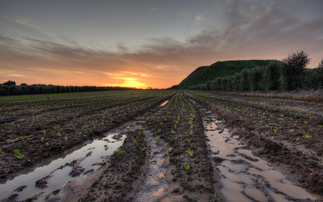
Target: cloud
[(269, 32), (25, 22), (198, 18), (152, 11)]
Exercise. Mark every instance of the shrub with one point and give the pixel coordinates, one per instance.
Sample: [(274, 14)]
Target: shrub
[(272, 76), (292, 70)]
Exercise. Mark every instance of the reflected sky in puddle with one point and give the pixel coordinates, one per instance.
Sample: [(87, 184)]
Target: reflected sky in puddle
[(61, 176), (240, 169)]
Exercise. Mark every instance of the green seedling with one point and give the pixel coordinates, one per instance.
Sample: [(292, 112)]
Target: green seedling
[(18, 155), (156, 142), (191, 132), (172, 139), (189, 152), (186, 166), (292, 130), (275, 130), (294, 124), (0, 150), (298, 138), (142, 148), (51, 131), (320, 126), (139, 132), (42, 139), (159, 130), (65, 138), (22, 138), (187, 140), (311, 130), (161, 123), (149, 123), (120, 151), (175, 125), (305, 122), (169, 149), (47, 144), (59, 134), (306, 136), (193, 198), (44, 132), (30, 138), (134, 141), (266, 126), (172, 131)]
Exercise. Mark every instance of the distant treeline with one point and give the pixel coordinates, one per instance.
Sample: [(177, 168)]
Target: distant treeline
[(290, 74), (10, 88)]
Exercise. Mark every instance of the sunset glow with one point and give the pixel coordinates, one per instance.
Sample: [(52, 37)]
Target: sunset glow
[(148, 43)]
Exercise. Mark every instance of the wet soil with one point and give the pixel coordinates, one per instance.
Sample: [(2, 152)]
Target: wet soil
[(30, 142), (277, 135)]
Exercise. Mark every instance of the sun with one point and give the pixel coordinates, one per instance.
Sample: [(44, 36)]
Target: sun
[(129, 82)]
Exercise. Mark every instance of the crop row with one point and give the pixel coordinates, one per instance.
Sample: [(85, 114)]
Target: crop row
[(27, 141), (179, 124), (283, 135)]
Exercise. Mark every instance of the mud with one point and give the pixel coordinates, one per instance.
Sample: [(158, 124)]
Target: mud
[(300, 159), (50, 135)]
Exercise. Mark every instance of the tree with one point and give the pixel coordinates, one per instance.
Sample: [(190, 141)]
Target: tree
[(272, 76), (319, 74), (292, 70), (256, 79), (244, 85), (10, 83)]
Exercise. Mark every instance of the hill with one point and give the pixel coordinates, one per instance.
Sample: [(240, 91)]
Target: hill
[(220, 69)]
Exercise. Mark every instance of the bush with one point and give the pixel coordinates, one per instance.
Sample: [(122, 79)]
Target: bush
[(272, 76), (256, 79), (292, 70), (244, 81)]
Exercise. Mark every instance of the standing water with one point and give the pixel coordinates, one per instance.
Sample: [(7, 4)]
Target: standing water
[(73, 165), (246, 177)]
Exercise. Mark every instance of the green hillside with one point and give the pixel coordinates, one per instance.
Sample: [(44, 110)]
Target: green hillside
[(220, 69)]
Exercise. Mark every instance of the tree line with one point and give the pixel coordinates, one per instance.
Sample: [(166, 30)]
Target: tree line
[(10, 88), (288, 75)]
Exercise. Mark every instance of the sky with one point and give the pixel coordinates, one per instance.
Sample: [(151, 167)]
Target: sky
[(148, 43)]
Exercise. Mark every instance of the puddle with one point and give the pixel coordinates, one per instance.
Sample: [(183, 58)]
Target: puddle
[(246, 177), (86, 156), (155, 185), (164, 103)]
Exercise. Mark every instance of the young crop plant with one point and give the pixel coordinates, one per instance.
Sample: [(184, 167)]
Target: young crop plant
[(18, 155), (187, 140), (142, 148), (22, 138), (120, 151), (139, 131), (169, 148), (47, 144), (156, 142), (275, 130), (191, 132), (189, 152), (306, 136), (186, 166), (193, 198), (134, 141)]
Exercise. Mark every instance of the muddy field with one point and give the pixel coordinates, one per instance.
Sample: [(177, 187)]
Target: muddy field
[(161, 146)]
